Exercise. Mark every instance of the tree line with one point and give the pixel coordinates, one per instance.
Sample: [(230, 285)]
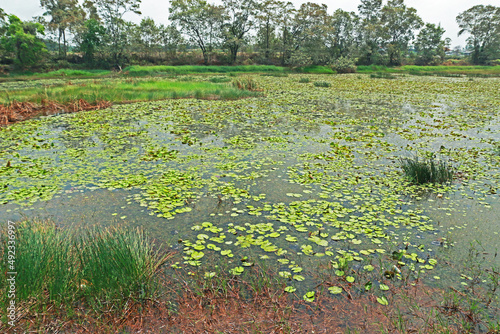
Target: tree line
[(271, 31)]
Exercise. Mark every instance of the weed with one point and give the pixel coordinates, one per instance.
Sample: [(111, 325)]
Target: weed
[(304, 80), (427, 170), (322, 84)]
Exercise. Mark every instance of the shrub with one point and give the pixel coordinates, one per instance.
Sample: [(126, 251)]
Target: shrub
[(322, 84), (344, 65), (428, 170)]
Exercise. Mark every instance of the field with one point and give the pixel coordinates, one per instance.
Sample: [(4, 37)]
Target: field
[(297, 207)]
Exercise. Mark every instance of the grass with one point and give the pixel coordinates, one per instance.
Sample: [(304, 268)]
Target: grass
[(428, 170), (445, 71), (322, 84), (315, 69), (127, 90), (163, 70), (304, 80), (382, 75), (105, 269)]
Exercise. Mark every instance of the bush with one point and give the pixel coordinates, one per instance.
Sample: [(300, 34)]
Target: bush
[(344, 65), (322, 84), (427, 170)]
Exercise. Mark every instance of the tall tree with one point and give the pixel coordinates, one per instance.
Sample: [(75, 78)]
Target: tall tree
[(430, 45), (239, 21), (111, 12), (21, 39), (64, 15), (483, 25), (369, 35), (200, 21), (398, 29), (341, 39), (170, 39), (267, 20), (90, 38), (149, 35)]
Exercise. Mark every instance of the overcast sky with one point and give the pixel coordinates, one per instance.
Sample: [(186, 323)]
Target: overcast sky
[(431, 11)]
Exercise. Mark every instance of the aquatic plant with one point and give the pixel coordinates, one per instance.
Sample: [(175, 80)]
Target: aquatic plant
[(304, 80), (426, 170), (322, 84)]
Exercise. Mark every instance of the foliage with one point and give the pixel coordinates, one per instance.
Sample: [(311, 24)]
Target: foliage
[(483, 25), (21, 39), (430, 45), (90, 38), (427, 170), (344, 65), (151, 70), (200, 21)]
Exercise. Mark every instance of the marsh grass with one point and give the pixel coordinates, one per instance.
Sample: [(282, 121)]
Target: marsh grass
[(164, 70), (245, 84), (106, 269), (304, 80), (426, 170), (382, 75), (128, 90), (322, 84)]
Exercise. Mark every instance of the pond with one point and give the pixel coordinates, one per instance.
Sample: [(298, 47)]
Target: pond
[(304, 177)]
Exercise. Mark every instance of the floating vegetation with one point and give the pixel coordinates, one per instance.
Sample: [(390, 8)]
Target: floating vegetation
[(301, 179), (426, 170)]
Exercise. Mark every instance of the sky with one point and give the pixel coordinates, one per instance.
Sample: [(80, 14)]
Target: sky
[(441, 12)]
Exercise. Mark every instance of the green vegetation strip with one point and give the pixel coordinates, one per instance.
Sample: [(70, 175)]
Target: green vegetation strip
[(124, 90)]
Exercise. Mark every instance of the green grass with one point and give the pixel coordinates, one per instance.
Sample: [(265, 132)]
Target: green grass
[(304, 80), (165, 70), (322, 84), (427, 170), (382, 75), (446, 71), (128, 90), (316, 70), (105, 268)]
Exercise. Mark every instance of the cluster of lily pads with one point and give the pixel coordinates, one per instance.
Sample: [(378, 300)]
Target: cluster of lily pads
[(304, 177)]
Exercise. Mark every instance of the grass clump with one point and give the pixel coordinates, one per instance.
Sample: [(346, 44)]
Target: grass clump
[(219, 79), (245, 83), (382, 75), (322, 84), (105, 269), (304, 80), (427, 170)]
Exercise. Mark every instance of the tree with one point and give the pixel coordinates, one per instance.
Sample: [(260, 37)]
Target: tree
[(267, 20), (64, 15), (430, 45), (170, 39), (90, 38), (369, 35), (200, 21), (483, 25), (341, 39), (111, 12), (239, 21), (21, 39), (398, 24), (304, 35), (149, 35)]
